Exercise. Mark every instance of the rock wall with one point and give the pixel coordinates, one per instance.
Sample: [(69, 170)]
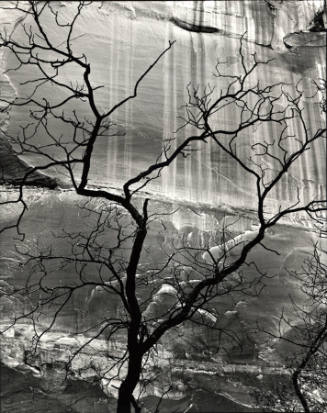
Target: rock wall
[(129, 35), (51, 212), (121, 39)]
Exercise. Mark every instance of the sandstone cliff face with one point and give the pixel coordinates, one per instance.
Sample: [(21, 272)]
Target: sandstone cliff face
[(121, 39), (15, 171), (129, 35), (12, 168)]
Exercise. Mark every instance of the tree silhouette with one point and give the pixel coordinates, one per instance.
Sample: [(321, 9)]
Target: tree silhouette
[(306, 336), (126, 213)]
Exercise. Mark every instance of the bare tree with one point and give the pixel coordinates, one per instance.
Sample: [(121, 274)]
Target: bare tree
[(314, 321), (306, 326), (304, 345), (126, 213)]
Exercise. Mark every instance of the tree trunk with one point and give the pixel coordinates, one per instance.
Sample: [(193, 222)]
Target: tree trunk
[(295, 378), (126, 400)]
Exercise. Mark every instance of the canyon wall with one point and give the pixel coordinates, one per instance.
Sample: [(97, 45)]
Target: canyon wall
[(121, 39)]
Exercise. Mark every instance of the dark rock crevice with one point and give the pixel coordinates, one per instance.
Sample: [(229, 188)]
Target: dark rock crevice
[(192, 27), (269, 46), (318, 23), (13, 170)]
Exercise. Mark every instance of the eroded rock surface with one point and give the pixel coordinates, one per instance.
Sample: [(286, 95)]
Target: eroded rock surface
[(208, 189), (130, 36)]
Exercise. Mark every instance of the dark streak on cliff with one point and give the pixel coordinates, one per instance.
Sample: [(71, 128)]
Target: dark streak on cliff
[(318, 24), (191, 27)]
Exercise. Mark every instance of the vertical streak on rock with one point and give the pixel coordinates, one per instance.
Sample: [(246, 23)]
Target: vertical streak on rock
[(300, 167), (169, 175), (128, 113), (200, 61), (201, 181), (194, 82), (252, 28), (320, 119), (112, 150), (207, 77), (322, 74), (315, 162), (187, 179)]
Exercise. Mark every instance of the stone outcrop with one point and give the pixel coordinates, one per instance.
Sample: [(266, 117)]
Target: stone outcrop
[(120, 40), (130, 36), (14, 170)]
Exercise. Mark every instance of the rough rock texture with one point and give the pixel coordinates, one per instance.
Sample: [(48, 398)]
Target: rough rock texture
[(12, 168), (238, 313), (21, 392), (121, 39), (131, 34)]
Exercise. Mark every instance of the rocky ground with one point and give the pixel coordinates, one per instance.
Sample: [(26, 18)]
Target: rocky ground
[(198, 385)]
